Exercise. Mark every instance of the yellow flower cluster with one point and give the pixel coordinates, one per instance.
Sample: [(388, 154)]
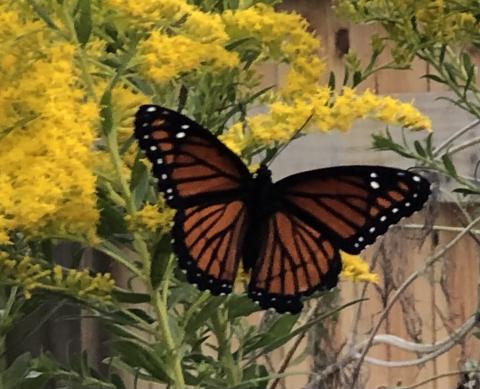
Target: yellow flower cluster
[(440, 21), (151, 12), (80, 284), (47, 130), (152, 217), (301, 98), (31, 276), (444, 21), (163, 57), (326, 112), (356, 269)]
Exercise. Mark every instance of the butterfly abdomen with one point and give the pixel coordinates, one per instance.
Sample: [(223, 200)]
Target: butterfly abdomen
[(261, 203)]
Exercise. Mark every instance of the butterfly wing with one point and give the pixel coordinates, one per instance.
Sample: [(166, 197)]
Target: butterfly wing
[(321, 212), (353, 205), (294, 260), (191, 164), (205, 182)]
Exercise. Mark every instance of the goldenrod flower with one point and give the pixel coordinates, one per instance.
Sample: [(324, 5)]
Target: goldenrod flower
[(152, 217), (31, 276), (356, 269)]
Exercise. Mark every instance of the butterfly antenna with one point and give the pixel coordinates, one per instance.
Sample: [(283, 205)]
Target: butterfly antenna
[(269, 159)]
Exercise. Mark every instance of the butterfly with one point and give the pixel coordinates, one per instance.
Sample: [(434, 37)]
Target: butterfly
[(288, 234)]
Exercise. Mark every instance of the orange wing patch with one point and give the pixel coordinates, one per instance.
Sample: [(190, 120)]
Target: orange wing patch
[(209, 243)]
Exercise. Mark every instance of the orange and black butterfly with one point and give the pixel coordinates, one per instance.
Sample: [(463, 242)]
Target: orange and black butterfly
[(287, 233)]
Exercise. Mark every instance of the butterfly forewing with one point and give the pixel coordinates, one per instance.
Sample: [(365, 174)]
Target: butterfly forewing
[(294, 260), (191, 164), (353, 205)]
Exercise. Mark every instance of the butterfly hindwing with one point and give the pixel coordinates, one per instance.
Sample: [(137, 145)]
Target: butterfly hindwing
[(354, 205), (190, 163), (294, 260), (207, 241)]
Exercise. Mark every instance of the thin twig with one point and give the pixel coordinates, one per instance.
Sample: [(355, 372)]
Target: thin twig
[(429, 262), (462, 146), (455, 135), (436, 377), (434, 228), (442, 349), (422, 348)]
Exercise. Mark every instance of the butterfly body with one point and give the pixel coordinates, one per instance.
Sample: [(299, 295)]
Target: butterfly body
[(288, 234)]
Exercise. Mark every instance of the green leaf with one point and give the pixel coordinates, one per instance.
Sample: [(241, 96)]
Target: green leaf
[(451, 71), (234, 44), (278, 329), (441, 57), (284, 338), (240, 306), (331, 81), (160, 259), (419, 149), (125, 296), (138, 355), (357, 78), (346, 76), (470, 70), (83, 23), (429, 146), (111, 219), (449, 166), (43, 14), (16, 372), (204, 314), (106, 111), (140, 182), (254, 372), (117, 381), (434, 77), (466, 191)]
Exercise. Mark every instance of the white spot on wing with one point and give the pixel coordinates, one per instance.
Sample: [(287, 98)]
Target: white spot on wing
[(180, 135), (151, 109), (163, 176), (371, 230), (416, 178), (373, 175), (361, 239), (394, 210), (159, 161), (185, 126), (383, 218), (153, 148), (374, 184), (407, 204), (169, 190)]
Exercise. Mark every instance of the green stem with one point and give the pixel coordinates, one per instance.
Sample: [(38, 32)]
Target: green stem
[(82, 55), (164, 329), (225, 354)]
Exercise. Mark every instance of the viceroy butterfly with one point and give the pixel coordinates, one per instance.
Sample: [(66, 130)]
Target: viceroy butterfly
[(287, 233)]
